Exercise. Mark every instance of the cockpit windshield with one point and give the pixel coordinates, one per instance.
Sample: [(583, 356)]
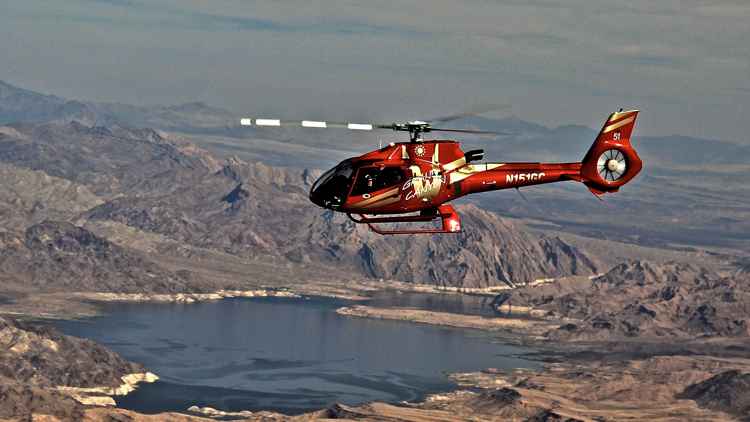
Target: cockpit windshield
[(331, 188)]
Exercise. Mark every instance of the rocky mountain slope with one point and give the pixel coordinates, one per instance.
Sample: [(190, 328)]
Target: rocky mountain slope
[(160, 185), (642, 299), (35, 360), (489, 251), (237, 210), (109, 160), (29, 197), (18, 105), (728, 392), (681, 169), (58, 256)]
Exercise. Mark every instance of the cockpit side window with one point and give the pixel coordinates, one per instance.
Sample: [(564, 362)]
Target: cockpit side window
[(371, 179), (334, 184)]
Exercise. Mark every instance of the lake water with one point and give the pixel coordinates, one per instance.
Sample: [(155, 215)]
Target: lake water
[(454, 303), (288, 355)]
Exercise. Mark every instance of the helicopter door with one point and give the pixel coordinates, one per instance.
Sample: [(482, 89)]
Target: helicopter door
[(372, 181)]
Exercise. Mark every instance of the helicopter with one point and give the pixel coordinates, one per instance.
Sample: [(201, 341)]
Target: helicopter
[(414, 181)]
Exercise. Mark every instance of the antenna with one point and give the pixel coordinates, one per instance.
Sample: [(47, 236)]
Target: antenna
[(522, 195)]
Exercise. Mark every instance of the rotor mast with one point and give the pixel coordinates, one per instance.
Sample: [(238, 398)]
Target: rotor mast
[(415, 129)]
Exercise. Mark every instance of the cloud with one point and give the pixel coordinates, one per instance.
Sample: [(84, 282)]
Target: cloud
[(557, 62), (119, 3), (217, 22)]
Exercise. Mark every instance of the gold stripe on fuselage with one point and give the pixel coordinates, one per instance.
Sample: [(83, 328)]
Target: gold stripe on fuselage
[(471, 169), (383, 202), (376, 198), (619, 124)]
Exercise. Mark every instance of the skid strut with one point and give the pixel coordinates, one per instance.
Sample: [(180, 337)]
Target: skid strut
[(451, 223)]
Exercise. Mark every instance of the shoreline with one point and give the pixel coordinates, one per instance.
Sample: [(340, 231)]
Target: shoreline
[(182, 297), (570, 372), (532, 329), (102, 396), (81, 304)]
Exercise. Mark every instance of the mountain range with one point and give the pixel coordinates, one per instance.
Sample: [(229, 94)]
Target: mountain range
[(648, 300), (159, 186), (690, 193), (163, 192), (567, 142)]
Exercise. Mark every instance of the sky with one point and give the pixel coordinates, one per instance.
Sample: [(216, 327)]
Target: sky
[(684, 63)]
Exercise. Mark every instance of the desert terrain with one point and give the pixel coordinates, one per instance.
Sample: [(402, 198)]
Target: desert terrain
[(109, 202)]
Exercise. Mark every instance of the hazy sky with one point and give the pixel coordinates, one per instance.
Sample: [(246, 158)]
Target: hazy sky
[(685, 63)]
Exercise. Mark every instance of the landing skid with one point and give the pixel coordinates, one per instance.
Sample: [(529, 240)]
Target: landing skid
[(451, 223)]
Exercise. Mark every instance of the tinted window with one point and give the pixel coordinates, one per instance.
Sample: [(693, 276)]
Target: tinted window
[(331, 187), (371, 179)]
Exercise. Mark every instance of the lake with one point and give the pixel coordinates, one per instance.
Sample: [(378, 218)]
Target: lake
[(289, 355)]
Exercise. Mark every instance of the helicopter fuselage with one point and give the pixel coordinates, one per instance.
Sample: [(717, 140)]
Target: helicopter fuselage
[(417, 176), (424, 176)]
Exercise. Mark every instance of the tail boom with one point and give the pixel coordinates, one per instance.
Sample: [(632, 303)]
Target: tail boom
[(516, 175), (610, 163)]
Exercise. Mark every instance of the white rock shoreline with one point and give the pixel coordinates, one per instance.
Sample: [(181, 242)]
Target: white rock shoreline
[(102, 396), (216, 413), (182, 297)]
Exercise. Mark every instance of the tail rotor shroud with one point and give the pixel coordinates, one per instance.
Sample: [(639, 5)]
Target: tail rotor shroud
[(612, 165), (612, 161)]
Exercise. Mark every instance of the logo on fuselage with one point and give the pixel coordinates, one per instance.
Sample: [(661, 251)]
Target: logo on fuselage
[(523, 177), (424, 187)]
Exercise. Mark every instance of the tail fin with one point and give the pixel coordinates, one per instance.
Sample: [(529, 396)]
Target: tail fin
[(611, 161)]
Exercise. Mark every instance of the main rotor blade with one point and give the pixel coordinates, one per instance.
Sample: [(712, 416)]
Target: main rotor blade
[(476, 132), (473, 111), (415, 126), (308, 124)]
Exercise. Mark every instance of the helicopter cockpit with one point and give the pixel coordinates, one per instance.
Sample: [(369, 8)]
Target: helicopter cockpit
[(371, 179), (334, 186), (330, 190)]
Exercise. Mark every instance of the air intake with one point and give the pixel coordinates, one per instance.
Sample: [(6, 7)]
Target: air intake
[(474, 155)]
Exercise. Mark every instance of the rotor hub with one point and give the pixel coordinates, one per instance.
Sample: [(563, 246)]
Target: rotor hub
[(612, 165)]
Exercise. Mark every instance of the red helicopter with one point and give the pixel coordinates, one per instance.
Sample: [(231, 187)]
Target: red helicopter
[(412, 182)]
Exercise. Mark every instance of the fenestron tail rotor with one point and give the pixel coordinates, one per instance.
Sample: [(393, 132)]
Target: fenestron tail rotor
[(611, 165)]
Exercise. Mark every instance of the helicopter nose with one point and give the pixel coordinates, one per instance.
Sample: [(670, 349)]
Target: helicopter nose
[(316, 198), (316, 190), (326, 193), (331, 189)]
